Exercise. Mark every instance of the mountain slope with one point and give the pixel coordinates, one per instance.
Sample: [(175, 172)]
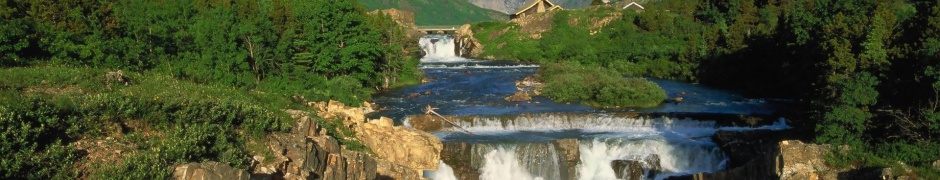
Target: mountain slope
[(510, 6), (438, 12)]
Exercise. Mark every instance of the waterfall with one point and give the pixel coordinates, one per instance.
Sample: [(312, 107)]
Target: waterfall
[(590, 123), (500, 150), (524, 161), (439, 48), (675, 156), (444, 172)]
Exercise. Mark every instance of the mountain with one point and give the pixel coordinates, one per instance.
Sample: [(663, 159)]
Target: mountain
[(510, 6), (438, 12)]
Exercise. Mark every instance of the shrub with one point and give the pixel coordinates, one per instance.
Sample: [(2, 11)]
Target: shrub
[(598, 87)]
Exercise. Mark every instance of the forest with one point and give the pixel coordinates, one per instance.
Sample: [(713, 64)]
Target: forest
[(151, 73), (859, 73)]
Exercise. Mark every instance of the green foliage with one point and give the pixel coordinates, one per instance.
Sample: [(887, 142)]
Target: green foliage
[(598, 87), (445, 12), (190, 122), (345, 136), (846, 120)]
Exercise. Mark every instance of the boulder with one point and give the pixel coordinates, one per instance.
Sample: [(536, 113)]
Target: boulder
[(209, 171), (627, 169), (407, 147), (383, 122), (426, 123)]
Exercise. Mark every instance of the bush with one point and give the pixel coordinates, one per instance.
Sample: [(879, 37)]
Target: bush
[(598, 87)]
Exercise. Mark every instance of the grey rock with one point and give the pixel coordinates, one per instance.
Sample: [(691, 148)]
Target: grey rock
[(209, 171)]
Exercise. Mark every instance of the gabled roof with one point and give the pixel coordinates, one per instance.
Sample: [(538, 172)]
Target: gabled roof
[(633, 4), (531, 3)]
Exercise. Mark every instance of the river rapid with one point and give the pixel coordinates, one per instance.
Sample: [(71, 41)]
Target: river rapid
[(519, 140)]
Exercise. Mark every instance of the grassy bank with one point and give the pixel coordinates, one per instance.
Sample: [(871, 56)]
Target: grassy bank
[(595, 86), (51, 114)]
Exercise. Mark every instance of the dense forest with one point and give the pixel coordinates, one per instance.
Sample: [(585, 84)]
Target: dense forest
[(438, 12), (861, 73), (167, 82)]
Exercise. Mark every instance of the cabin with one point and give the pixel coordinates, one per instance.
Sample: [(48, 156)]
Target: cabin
[(531, 7), (634, 6)]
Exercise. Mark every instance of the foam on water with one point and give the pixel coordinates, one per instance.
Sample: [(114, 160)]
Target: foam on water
[(444, 172), (439, 48)]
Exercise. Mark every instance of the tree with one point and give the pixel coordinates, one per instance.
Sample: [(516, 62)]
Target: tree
[(597, 2), (845, 120)]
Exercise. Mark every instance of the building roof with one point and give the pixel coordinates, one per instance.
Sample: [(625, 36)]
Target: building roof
[(633, 4), (531, 3)]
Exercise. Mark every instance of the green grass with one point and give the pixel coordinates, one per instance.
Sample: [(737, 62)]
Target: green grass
[(595, 86), (43, 109), (916, 156), (438, 12)]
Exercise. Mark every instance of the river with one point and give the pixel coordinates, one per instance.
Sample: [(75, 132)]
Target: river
[(512, 140)]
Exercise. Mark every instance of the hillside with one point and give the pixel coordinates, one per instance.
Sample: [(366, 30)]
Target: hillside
[(510, 6), (438, 12)]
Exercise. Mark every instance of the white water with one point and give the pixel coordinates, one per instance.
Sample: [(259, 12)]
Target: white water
[(677, 156), (439, 48), (444, 172), (501, 163), (476, 66), (682, 145)]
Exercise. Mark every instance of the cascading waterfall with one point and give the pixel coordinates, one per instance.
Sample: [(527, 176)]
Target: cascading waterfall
[(682, 146), (523, 161), (676, 156), (439, 48), (444, 172)]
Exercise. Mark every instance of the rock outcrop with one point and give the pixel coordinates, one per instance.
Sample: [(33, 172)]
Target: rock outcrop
[(467, 45), (638, 168), (410, 148), (209, 171), (761, 154), (627, 169), (527, 87), (307, 152), (569, 155)]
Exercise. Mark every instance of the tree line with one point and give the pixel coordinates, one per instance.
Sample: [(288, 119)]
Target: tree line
[(862, 73), (276, 45)]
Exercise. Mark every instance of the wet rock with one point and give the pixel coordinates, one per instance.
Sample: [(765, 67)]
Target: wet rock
[(653, 164), (570, 154), (209, 171), (426, 123), (468, 46), (519, 96), (627, 169), (459, 156)]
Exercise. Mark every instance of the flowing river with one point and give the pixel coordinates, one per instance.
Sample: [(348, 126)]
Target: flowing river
[(520, 140)]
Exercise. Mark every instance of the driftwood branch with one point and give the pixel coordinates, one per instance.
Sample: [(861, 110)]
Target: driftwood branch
[(430, 110)]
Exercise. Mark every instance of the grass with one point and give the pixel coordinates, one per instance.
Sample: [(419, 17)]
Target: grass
[(598, 87), (917, 157), (44, 109)]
